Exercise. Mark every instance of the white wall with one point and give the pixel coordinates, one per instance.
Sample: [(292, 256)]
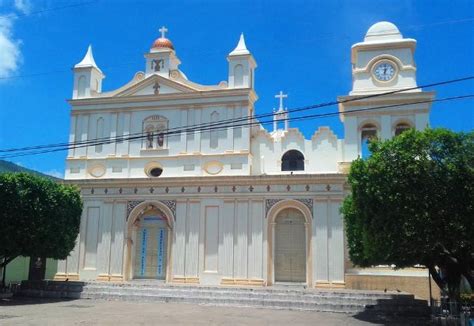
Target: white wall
[(322, 152)]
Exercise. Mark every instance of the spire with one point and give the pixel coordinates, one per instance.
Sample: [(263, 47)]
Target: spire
[(88, 60), (241, 48)]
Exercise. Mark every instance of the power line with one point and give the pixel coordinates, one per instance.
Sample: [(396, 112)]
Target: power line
[(313, 116), (226, 122)]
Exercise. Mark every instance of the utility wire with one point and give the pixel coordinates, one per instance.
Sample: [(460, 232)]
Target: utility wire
[(226, 122), (312, 116)]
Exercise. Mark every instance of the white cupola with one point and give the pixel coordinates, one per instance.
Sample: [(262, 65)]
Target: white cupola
[(241, 66), (87, 77)]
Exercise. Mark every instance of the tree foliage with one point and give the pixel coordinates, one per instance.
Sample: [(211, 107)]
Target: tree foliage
[(38, 217), (412, 202)]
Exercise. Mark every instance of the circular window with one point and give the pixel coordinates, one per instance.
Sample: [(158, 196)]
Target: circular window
[(156, 172)]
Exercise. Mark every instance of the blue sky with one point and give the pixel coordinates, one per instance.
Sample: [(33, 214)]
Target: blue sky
[(301, 47)]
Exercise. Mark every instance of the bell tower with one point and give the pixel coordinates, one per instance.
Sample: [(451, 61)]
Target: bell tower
[(87, 77), (161, 59), (241, 66), (383, 62)]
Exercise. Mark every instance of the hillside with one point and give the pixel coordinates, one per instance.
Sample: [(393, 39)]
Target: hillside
[(6, 166)]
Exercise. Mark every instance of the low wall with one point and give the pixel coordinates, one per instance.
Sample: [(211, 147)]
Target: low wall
[(51, 289), (417, 285)]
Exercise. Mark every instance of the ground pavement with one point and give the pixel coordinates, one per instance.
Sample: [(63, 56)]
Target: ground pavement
[(94, 312)]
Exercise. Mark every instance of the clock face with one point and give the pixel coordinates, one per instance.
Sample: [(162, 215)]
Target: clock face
[(384, 71)]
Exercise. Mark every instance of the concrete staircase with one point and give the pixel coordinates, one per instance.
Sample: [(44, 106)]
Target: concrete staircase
[(345, 301)]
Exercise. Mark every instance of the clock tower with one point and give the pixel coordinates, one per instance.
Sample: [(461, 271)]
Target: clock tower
[(383, 62)]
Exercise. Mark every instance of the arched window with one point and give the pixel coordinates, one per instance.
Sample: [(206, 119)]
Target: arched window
[(368, 132), (154, 130), (81, 86), (292, 160), (238, 76), (401, 127), (214, 133)]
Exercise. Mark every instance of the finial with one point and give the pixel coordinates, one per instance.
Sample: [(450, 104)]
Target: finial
[(88, 60), (241, 48), (163, 30)]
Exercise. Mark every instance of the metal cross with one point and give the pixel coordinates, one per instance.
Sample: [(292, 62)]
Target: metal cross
[(281, 96), (163, 30)]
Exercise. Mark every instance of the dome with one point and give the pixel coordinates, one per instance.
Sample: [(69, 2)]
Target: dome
[(383, 31), (162, 42)]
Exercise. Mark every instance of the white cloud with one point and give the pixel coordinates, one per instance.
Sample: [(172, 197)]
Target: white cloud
[(55, 173), (10, 53), (24, 6)]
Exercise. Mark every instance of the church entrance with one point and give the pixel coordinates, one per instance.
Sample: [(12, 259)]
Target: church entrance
[(151, 241), (290, 246)]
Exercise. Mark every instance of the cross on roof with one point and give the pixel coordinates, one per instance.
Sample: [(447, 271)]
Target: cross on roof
[(163, 30), (281, 96)]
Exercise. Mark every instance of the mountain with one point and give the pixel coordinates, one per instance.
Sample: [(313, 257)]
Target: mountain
[(6, 166)]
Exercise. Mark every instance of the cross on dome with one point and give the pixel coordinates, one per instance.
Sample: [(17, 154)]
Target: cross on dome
[(281, 96), (163, 30)]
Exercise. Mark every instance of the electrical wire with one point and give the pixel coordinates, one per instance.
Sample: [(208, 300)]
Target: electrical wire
[(226, 122), (312, 116)]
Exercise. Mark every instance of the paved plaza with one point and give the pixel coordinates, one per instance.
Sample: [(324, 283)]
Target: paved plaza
[(92, 312)]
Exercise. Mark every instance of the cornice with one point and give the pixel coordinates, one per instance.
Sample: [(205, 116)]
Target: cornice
[(289, 179), (397, 98), (197, 95), (159, 157), (370, 46)]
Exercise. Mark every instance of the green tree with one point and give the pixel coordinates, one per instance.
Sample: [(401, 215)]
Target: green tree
[(38, 217), (412, 202)]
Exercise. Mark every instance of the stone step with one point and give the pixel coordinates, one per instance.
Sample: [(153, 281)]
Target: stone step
[(348, 301), (306, 296), (229, 301), (320, 292), (224, 296), (269, 302)]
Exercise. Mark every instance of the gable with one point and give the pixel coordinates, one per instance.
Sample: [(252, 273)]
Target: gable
[(155, 85)]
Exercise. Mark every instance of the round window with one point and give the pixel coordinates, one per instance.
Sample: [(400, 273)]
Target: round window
[(156, 172)]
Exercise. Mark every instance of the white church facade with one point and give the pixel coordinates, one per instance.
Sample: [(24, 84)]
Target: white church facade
[(192, 189)]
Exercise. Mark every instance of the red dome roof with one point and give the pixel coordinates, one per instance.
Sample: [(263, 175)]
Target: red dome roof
[(162, 43)]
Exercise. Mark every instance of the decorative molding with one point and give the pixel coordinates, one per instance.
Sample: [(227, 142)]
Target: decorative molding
[(308, 202), (269, 203), (242, 281), (171, 204), (131, 205), (185, 279)]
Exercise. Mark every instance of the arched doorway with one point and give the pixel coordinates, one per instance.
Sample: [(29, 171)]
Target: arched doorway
[(149, 242), (290, 246), (151, 245), (289, 237)]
